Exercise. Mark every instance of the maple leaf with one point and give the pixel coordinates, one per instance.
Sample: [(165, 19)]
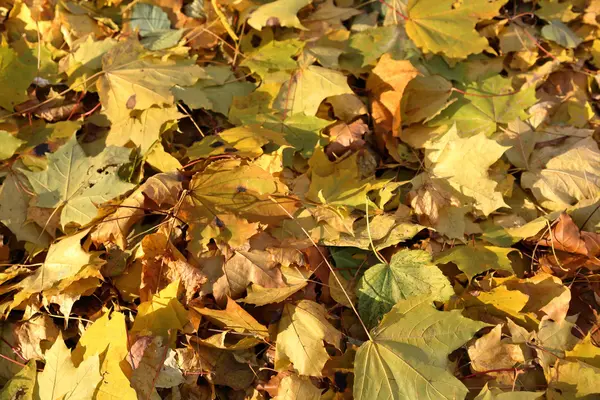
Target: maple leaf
[(474, 260), (161, 313), (407, 355), (141, 128), (234, 317), (495, 102), (131, 82), (409, 274), (308, 87), (61, 380), (64, 261), (215, 90), (387, 82), (16, 74), (448, 27), (160, 189), (470, 181), (294, 387), (300, 334), (489, 352), (22, 384), (79, 183), (228, 198), (107, 338), (14, 201), (246, 267), (570, 176), (154, 27)]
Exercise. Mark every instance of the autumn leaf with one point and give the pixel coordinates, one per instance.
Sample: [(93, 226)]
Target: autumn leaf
[(60, 379), (22, 384), (282, 11), (308, 87), (442, 27), (79, 183), (294, 387), (293, 199), (133, 83), (161, 313), (409, 274), (64, 261), (300, 334), (16, 74), (474, 260), (107, 338), (407, 355), (472, 182)]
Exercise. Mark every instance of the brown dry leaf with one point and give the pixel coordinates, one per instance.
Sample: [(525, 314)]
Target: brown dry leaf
[(247, 267), (547, 295), (344, 137), (162, 264), (386, 84), (158, 191), (154, 366), (567, 237), (35, 336), (234, 317), (491, 352)]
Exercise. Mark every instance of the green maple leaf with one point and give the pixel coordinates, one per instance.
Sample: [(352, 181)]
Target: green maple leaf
[(154, 27), (10, 144), (407, 356), (410, 273), (560, 33), (501, 104), (16, 74), (274, 56), (215, 91), (282, 11), (79, 183), (131, 82), (21, 385), (448, 27), (302, 132)]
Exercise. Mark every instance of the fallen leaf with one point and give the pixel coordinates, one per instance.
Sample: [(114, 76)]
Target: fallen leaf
[(79, 183), (60, 379), (407, 355), (300, 334), (409, 274)]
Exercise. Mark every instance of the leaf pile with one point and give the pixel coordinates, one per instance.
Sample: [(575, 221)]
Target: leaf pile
[(299, 199)]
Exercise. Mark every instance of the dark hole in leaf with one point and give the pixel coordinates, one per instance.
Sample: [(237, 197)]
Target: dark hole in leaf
[(230, 150), (41, 149), (241, 189), (219, 223), (216, 144)]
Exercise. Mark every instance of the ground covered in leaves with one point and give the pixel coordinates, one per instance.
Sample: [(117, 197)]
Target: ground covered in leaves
[(299, 199)]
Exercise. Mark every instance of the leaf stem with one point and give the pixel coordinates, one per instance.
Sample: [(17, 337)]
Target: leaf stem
[(398, 13)]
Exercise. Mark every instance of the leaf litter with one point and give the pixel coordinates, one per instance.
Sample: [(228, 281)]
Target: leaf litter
[(299, 199)]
